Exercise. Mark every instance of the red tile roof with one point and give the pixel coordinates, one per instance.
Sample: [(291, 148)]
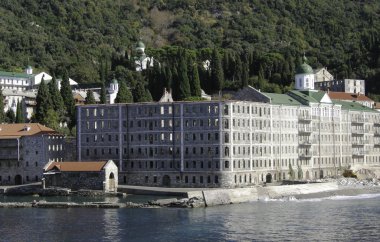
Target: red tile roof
[(348, 96), (8, 131), (77, 166)]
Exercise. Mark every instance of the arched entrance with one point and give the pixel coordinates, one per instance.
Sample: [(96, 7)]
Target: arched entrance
[(307, 175), (166, 181), (268, 178), (18, 180), (111, 183)]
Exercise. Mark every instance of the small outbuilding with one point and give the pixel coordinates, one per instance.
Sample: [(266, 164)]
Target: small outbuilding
[(97, 175)]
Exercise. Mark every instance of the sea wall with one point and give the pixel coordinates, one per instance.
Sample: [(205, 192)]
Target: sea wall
[(214, 197)]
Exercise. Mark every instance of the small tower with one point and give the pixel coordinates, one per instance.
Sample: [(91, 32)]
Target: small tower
[(113, 90), (305, 77), (140, 48), (29, 70)]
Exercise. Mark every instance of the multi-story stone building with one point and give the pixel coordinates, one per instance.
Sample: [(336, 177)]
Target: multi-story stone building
[(254, 138), (24, 151)]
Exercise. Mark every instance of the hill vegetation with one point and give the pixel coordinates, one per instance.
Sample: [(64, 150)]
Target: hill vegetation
[(257, 42)]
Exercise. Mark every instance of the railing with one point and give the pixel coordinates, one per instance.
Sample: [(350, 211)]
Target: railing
[(304, 129), (305, 117), (305, 142), (359, 131), (305, 156), (359, 142), (358, 153), (359, 120)]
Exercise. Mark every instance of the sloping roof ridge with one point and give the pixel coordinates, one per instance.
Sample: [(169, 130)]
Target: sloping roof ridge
[(293, 94)]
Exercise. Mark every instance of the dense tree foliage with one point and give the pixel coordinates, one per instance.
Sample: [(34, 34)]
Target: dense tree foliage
[(68, 100), (124, 95), (56, 99), (93, 40)]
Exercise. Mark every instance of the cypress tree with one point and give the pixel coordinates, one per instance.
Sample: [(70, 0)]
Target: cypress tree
[(124, 95), (56, 98), (195, 83), (103, 94), (217, 75), (184, 85), (168, 77), (10, 116), (90, 99), (43, 102), (140, 94), (2, 114), (19, 113), (68, 100)]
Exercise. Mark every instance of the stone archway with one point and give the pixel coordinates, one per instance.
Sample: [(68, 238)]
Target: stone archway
[(166, 181), (18, 180), (111, 183), (268, 178)]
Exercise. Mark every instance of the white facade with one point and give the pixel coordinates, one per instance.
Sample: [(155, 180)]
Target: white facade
[(305, 81)]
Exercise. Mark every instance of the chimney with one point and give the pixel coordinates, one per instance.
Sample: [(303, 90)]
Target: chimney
[(27, 128)]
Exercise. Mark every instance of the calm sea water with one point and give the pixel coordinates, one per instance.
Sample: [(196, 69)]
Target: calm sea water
[(336, 219)]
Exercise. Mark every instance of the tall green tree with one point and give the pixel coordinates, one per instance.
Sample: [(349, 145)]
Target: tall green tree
[(90, 99), (183, 79), (124, 95), (43, 102), (10, 116), (2, 114), (20, 118), (217, 75), (52, 119), (103, 94), (141, 94), (195, 83), (68, 100), (56, 98)]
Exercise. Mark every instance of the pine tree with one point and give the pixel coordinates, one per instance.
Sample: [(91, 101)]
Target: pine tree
[(68, 100), (103, 94), (90, 99), (124, 95), (19, 113), (43, 102), (195, 83), (52, 119), (217, 75), (56, 98), (2, 114)]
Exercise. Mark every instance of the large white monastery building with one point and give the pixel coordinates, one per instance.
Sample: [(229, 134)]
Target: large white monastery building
[(255, 137)]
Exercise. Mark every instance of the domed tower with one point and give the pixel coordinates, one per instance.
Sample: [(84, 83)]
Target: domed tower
[(304, 76), (113, 90), (29, 70), (140, 48)]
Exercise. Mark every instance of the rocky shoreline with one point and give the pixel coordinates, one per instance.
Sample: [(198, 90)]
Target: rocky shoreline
[(340, 187)]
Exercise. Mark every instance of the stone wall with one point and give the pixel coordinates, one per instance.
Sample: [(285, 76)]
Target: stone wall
[(76, 180)]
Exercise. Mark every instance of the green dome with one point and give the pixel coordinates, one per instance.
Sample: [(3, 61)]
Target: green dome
[(140, 44), (304, 68), (114, 81)]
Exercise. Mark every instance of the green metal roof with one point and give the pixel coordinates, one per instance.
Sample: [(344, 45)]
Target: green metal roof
[(114, 81), (309, 96), (282, 99), (140, 44), (15, 74), (354, 106)]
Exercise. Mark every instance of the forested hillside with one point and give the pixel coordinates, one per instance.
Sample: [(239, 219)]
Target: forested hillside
[(254, 41)]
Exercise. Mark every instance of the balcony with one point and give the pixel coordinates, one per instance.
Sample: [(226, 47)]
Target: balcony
[(359, 142), (305, 156), (359, 120), (306, 118), (305, 142), (306, 130), (358, 153), (359, 131)]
